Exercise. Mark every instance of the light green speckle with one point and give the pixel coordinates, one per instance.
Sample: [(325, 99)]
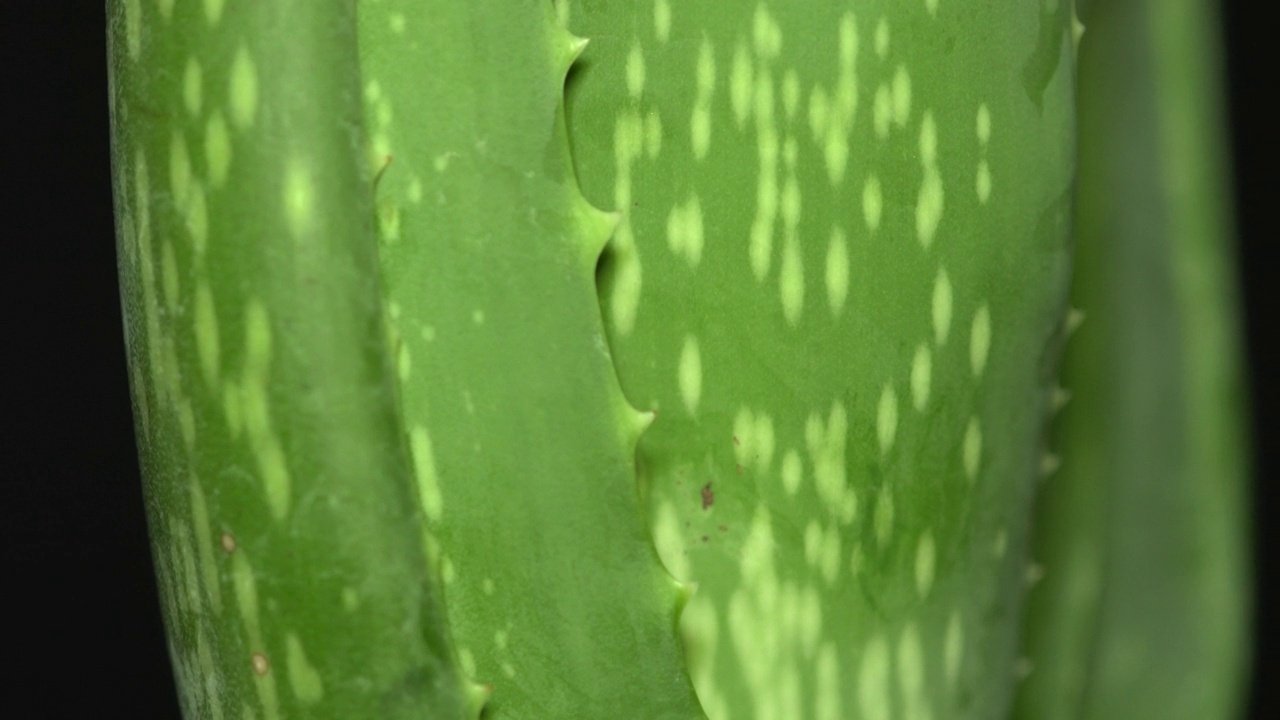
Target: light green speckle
[(169, 276), (882, 38), (213, 10), (887, 418), (901, 95), (790, 94), (191, 86), (424, 465), (273, 468), (350, 599), (929, 206), (246, 592), (837, 271), (179, 170), (635, 70), (980, 339), (243, 92), (953, 647), (625, 298), (791, 281), (741, 84), (197, 219), (873, 680), (972, 451), (653, 133), (792, 472), (882, 522), (931, 6), (921, 376), (299, 199), (133, 27), (941, 307), (398, 23), (926, 556), (872, 202), (984, 124), (217, 149), (206, 330), (882, 111), (662, 20), (928, 144), (827, 703), (911, 670), (303, 676), (700, 130), (669, 542), (690, 374), (982, 182)]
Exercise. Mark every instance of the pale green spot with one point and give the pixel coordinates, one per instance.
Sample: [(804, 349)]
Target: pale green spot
[(700, 130), (882, 111), (953, 647), (197, 219), (653, 133), (872, 202), (744, 428), (398, 23), (791, 281), (887, 418), (921, 376), (299, 199), (882, 522), (257, 339), (635, 70), (929, 205), (232, 408), (928, 143), (762, 442), (169, 276), (790, 94), (972, 452), (213, 10), (980, 339), (625, 300), (404, 362), (303, 676), (873, 680), (243, 95), (179, 170), (926, 556), (467, 661), (246, 591), (984, 124), (812, 543), (792, 472), (941, 307), (882, 38), (662, 20), (690, 374), (274, 470), (982, 182), (424, 465), (191, 86), (669, 542), (133, 27), (700, 122), (204, 543), (830, 554), (836, 152), (741, 84), (819, 113), (931, 6), (901, 95), (414, 191), (206, 331), (350, 599), (1000, 545), (217, 149), (827, 703), (837, 271), (911, 669)]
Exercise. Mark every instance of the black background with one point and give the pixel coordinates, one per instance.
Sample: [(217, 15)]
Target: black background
[(81, 617)]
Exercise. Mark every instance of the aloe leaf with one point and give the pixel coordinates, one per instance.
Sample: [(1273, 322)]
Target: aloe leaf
[(523, 442), (840, 280), (275, 467), (1144, 608)]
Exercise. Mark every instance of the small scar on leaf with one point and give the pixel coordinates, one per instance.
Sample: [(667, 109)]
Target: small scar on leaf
[(705, 538), (736, 441), (228, 542), (260, 665), (708, 497), (739, 466), (724, 528)]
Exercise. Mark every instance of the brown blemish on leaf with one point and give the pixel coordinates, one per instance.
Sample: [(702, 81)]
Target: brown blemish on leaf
[(708, 497)]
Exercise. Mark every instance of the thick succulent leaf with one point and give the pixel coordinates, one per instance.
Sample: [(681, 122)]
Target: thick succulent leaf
[(275, 468), (522, 440), (840, 281), (1143, 612)]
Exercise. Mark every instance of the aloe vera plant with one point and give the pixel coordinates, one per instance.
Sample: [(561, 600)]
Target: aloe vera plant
[(714, 381)]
